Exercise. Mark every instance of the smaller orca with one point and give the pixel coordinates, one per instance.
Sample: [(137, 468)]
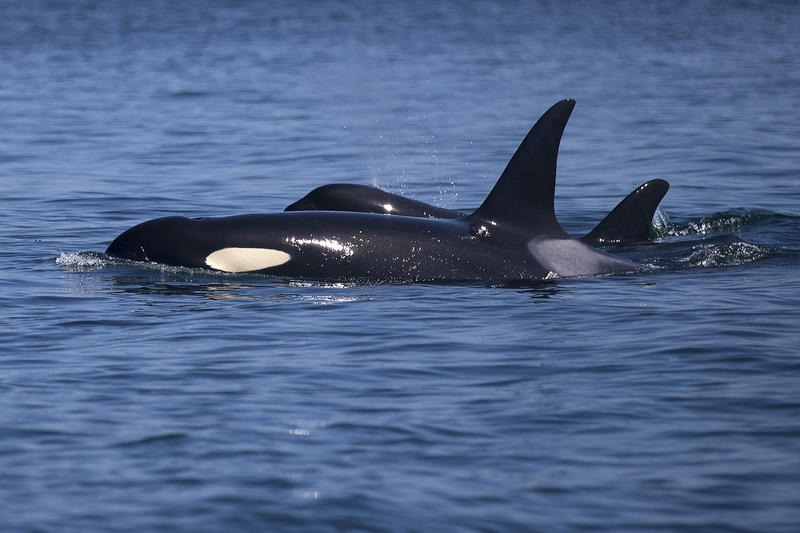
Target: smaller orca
[(513, 236), (628, 223), (366, 199)]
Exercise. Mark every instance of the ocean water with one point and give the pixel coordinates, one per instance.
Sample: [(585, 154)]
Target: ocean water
[(158, 399)]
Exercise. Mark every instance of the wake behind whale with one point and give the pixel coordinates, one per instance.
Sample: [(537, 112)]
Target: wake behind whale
[(513, 236)]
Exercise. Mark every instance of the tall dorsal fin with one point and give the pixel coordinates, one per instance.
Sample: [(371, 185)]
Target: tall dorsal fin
[(523, 196), (630, 221)]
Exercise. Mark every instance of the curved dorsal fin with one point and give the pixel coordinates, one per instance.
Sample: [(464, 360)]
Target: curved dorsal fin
[(630, 221), (523, 196)]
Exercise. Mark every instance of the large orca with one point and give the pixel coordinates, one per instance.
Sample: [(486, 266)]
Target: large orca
[(628, 223), (513, 236)]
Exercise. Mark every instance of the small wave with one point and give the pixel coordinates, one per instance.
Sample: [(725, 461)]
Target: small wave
[(150, 440), (82, 261), (716, 223), (727, 254), (716, 240), (188, 93)]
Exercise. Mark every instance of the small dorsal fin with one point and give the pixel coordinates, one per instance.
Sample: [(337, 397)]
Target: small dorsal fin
[(524, 195), (630, 221)]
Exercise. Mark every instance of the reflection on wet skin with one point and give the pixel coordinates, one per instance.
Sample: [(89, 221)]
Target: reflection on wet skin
[(215, 291), (544, 292), (270, 290)]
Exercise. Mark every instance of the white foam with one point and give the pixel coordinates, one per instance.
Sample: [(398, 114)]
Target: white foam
[(81, 261)]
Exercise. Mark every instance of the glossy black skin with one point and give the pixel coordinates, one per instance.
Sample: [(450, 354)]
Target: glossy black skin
[(341, 245), (513, 236)]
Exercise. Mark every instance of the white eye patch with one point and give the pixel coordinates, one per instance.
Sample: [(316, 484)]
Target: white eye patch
[(246, 259)]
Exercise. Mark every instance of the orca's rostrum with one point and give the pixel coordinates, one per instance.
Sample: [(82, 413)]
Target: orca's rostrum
[(513, 236)]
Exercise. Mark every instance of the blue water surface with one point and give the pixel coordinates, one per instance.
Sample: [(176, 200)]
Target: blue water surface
[(141, 398)]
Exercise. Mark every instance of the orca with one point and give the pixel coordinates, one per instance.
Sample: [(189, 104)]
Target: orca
[(366, 199), (628, 223), (513, 236)]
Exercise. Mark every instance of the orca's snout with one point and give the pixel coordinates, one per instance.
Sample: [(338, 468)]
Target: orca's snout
[(155, 240), (127, 246)]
